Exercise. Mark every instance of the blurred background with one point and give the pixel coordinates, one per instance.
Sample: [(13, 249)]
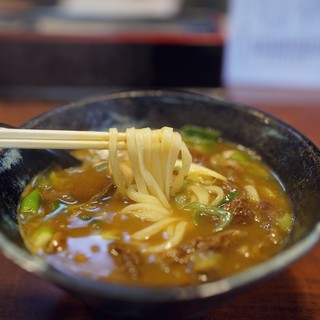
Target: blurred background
[(264, 53), (67, 49)]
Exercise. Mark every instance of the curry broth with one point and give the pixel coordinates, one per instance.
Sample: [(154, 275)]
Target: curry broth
[(78, 223)]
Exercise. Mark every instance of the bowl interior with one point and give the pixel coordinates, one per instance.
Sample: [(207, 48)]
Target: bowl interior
[(293, 158)]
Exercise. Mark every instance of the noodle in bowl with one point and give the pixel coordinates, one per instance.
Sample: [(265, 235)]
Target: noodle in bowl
[(257, 131)]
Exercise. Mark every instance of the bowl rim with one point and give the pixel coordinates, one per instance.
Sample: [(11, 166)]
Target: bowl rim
[(113, 94), (146, 294)]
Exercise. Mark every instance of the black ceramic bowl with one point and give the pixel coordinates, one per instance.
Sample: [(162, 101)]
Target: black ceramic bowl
[(291, 155)]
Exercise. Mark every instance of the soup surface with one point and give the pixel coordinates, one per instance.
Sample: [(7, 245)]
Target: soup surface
[(73, 218)]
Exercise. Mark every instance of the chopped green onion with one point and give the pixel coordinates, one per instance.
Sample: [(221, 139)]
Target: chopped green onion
[(181, 196), (201, 133), (240, 156), (224, 215), (55, 205), (228, 198), (216, 211), (200, 137), (31, 203), (225, 221), (196, 218)]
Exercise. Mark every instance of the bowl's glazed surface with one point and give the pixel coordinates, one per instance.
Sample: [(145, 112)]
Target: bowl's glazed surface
[(294, 159)]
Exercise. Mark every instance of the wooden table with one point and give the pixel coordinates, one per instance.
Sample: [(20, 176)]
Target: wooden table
[(293, 294)]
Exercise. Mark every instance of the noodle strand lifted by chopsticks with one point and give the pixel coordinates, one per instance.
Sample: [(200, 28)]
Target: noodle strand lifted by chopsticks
[(152, 155), (149, 177), (114, 164)]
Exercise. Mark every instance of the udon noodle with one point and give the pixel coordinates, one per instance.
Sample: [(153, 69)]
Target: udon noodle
[(148, 175), (169, 209)]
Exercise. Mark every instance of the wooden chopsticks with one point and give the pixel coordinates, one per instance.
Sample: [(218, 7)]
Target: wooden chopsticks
[(57, 139)]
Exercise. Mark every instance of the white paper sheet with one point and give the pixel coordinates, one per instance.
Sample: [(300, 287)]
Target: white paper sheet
[(273, 44)]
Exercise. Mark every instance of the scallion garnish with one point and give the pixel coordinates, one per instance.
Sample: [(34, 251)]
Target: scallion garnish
[(31, 203), (203, 209), (228, 198)]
